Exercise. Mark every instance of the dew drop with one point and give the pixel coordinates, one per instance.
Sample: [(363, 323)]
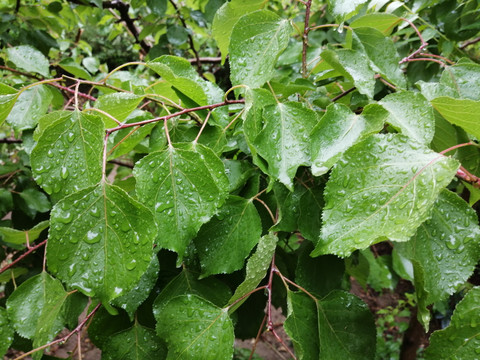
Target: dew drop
[(64, 172), (131, 265)]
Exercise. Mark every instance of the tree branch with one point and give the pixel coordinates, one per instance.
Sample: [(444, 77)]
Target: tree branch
[(306, 30), (25, 254)]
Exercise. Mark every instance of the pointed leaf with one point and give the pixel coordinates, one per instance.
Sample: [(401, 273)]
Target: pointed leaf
[(463, 113), (8, 97), (464, 79), (257, 41), (384, 187), (446, 246), (338, 130), (100, 241), (68, 155), (383, 22), (226, 240), (283, 141), (412, 114), (6, 332), (75, 69), (257, 267), (118, 105), (138, 342), (344, 9), (354, 65), (18, 237), (184, 186), (28, 58), (227, 16), (194, 328), (29, 107), (461, 339)]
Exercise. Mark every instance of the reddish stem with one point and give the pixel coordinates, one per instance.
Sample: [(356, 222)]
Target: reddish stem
[(28, 252), (306, 30)]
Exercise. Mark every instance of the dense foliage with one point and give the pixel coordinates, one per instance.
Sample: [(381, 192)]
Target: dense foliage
[(175, 168)]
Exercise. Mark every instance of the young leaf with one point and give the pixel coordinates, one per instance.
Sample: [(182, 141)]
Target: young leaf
[(412, 114), (383, 187), (338, 130), (184, 186), (227, 239), (100, 241), (118, 105), (225, 19), (344, 9), (257, 267), (342, 327), (29, 107), (383, 22), (8, 97), (446, 246), (463, 113), (257, 40), (28, 58), (18, 237), (354, 65), (461, 339), (6, 332), (194, 328), (464, 79), (284, 139), (138, 342), (68, 155)]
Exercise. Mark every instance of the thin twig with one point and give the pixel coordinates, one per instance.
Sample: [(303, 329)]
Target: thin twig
[(346, 92), (10, 141), (419, 50), (121, 163), (470, 42), (306, 30), (21, 257)]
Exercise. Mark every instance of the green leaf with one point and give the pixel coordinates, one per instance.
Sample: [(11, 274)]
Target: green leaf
[(342, 327), (283, 141), (133, 299), (18, 237), (8, 97), (310, 212), (257, 267), (48, 119), (138, 342), (338, 130), (184, 186), (288, 207), (464, 79), (29, 59), (355, 66), (463, 113), (177, 35), (68, 155), (118, 105), (226, 17), (461, 339), (194, 328), (30, 106), (35, 201), (446, 246), (40, 317), (6, 332), (382, 54), (344, 9), (100, 241), (412, 114), (257, 41), (226, 240), (383, 187), (75, 68), (10, 274), (383, 22)]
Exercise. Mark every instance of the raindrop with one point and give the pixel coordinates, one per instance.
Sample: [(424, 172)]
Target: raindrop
[(64, 172), (131, 265)]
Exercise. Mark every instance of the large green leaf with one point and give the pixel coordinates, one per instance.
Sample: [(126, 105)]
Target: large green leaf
[(257, 40), (463, 113), (338, 130), (382, 53), (461, 339), (100, 241), (184, 186), (227, 16), (338, 326), (284, 140), (29, 107), (8, 96), (257, 267), (226, 240), (28, 58), (446, 246), (136, 343), (68, 155), (412, 114), (354, 65), (194, 328), (35, 309), (6, 332), (118, 105), (464, 79), (383, 187)]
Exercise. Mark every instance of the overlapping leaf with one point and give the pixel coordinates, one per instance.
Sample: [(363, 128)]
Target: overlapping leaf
[(117, 105), (257, 40), (383, 187), (344, 9), (18, 237), (184, 185), (463, 113), (68, 154), (100, 241), (28, 58), (6, 332), (8, 96), (194, 328)]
